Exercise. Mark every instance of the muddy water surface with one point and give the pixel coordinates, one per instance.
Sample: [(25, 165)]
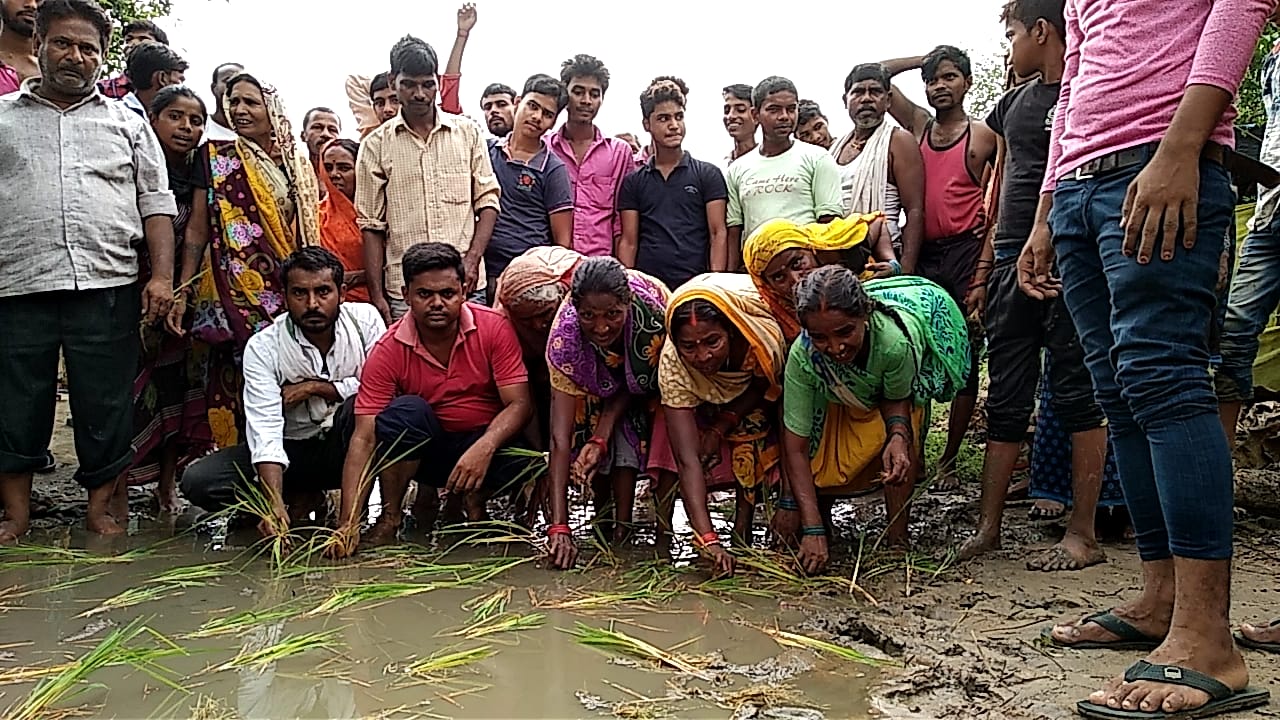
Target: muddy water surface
[(362, 664)]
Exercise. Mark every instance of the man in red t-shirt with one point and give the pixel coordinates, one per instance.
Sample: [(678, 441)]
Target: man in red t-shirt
[(440, 394)]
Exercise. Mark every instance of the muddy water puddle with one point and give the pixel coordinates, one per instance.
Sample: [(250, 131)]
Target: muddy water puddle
[(177, 628)]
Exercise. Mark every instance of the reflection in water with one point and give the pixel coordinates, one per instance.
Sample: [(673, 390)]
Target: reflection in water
[(263, 693)]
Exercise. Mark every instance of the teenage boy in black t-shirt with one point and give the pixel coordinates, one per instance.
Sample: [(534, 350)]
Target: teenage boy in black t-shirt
[(1018, 327)]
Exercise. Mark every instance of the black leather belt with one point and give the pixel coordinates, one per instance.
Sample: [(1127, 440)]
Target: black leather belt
[(1129, 157)]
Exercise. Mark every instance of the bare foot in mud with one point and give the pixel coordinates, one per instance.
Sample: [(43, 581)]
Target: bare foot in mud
[(979, 544), (11, 531), (1073, 553), (102, 524), (1224, 664), (383, 532)]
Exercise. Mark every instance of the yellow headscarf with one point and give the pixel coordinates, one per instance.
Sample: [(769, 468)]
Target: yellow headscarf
[(777, 235), (733, 295)]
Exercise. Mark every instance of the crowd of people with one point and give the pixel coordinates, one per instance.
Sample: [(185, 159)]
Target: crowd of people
[(439, 301)]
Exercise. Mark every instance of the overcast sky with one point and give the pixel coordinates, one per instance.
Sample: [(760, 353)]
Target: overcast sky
[(306, 48)]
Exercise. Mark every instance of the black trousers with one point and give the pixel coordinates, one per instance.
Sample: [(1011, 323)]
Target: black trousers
[(216, 481), (1018, 328)]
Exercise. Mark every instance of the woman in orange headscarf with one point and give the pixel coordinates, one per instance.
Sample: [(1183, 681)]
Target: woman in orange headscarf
[(339, 232)]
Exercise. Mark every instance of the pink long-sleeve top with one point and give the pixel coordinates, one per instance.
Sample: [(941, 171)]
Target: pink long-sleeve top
[(1128, 63)]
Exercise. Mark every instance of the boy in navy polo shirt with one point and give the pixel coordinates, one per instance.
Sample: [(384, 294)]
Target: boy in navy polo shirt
[(673, 207), (537, 194)]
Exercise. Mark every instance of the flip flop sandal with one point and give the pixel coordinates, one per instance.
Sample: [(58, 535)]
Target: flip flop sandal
[(1271, 647), (1041, 515), (1222, 699), (1129, 637)]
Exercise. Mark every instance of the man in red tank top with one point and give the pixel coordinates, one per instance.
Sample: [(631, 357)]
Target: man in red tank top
[(959, 155)]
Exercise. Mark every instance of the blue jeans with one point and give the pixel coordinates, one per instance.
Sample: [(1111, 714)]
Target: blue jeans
[(1255, 292), (1144, 329)]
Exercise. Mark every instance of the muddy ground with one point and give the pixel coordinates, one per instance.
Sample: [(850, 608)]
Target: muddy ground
[(967, 637)]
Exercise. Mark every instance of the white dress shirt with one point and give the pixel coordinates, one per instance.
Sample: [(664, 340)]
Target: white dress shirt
[(267, 423)]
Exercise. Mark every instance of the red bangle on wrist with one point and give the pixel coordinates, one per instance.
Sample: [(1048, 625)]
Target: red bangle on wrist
[(706, 540), (599, 442), (559, 529)]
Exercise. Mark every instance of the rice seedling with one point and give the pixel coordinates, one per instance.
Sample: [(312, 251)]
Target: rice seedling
[(483, 607), (193, 575), (290, 646), (211, 708), (10, 676), (506, 622), (113, 650), (27, 556), (442, 662), (18, 592), (132, 597), (790, 639), (240, 623), (619, 642), (369, 593), (463, 574)]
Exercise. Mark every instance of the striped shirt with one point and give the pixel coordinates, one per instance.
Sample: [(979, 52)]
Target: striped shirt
[(75, 185), (419, 190)]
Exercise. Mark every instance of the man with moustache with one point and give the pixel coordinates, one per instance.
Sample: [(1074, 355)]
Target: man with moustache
[(537, 195), (17, 52), (738, 121), (443, 392), (959, 156), (73, 213), (497, 102), (301, 374), (424, 176), (320, 126), (219, 126), (597, 164), (673, 207), (880, 165)]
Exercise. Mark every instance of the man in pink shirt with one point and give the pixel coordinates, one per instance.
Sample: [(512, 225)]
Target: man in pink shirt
[(441, 394), (597, 164), (1135, 170)]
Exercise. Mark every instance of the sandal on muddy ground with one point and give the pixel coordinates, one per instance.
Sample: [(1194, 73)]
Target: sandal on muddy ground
[(1271, 647), (1128, 636), (1041, 515), (1222, 699)]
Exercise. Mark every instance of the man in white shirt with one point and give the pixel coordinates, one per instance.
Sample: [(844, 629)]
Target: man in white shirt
[(301, 374), (219, 127)]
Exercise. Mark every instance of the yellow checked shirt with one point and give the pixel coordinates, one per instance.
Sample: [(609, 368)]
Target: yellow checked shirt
[(419, 189)]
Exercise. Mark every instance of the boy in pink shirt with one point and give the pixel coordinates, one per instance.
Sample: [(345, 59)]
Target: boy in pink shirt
[(1143, 122)]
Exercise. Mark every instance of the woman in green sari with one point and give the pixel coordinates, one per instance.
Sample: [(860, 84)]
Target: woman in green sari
[(869, 357)]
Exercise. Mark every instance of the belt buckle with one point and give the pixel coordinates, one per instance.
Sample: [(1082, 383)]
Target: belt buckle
[(1080, 173)]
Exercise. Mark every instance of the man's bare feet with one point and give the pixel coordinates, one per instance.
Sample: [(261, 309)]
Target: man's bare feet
[(102, 523), (980, 544), (1261, 637), (383, 532), (1223, 663), (11, 531), (1073, 553)]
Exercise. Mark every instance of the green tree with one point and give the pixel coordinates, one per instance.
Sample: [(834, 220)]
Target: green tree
[(1249, 101), (123, 12), (989, 78)]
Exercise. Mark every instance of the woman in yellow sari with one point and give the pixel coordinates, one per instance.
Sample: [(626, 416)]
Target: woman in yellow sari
[(262, 206), (720, 377), (779, 253)]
